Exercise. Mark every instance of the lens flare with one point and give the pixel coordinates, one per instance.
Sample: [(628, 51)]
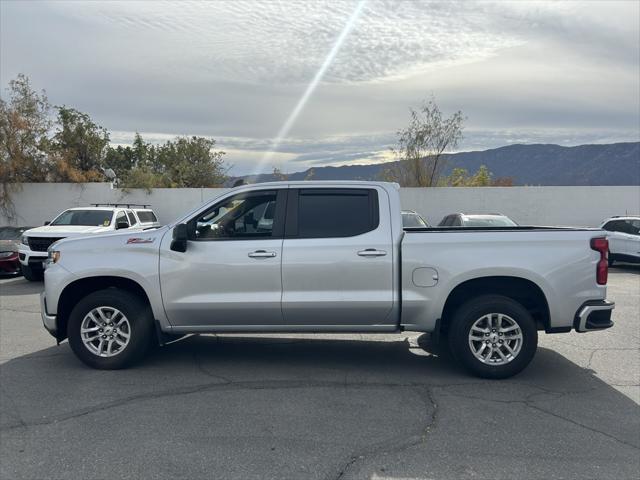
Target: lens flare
[(286, 126)]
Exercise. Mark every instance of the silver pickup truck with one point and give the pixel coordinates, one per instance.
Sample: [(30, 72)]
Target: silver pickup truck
[(325, 257)]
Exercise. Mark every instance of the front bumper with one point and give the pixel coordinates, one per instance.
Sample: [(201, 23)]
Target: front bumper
[(594, 315), (49, 321), (32, 259)]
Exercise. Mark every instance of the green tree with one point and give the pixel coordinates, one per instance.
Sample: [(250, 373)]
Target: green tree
[(79, 147), (120, 159), (482, 178), (421, 146), (183, 162)]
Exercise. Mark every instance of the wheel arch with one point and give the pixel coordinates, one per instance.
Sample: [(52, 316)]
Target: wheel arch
[(82, 287), (522, 290)]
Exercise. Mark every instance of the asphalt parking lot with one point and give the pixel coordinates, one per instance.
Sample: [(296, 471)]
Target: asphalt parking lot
[(321, 407)]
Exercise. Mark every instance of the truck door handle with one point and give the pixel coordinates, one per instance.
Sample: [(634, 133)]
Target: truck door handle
[(372, 252), (262, 254)]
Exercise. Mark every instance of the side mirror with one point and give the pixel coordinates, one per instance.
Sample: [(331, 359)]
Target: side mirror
[(121, 225), (47, 223), (180, 237)]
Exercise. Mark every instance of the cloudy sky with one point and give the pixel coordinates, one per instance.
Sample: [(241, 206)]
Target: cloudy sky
[(300, 84)]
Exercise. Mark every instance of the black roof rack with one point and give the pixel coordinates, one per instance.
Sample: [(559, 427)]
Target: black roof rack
[(127, 205)]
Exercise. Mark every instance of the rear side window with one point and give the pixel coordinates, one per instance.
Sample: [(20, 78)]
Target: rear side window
[(131, 217), (334, 213), (613, 226), (631, 227), (147, 216)]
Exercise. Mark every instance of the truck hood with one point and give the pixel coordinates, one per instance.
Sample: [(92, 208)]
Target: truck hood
[(65, 230), (114, 238)]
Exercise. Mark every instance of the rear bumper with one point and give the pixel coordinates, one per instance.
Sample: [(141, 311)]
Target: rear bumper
[(594, 315), (10, 264), (49, 321)]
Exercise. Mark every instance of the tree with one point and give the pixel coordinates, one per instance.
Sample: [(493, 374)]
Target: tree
[(482, 178), (183, 162), (24, 124), (421, 146), (120, 159), (79, 147), (278, 175), (78, 150)]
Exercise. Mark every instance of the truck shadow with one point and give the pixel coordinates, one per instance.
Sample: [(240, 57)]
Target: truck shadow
[(289, 386), (632, 268)]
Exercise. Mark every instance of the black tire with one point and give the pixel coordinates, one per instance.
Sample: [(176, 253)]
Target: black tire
[(610, 259), (32, 274), (134, 309), (464, 318)]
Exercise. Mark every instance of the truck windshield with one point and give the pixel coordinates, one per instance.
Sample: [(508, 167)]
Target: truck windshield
[(93, 218)]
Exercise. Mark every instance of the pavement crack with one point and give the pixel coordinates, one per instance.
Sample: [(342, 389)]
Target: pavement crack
[(396, 444), (206, 372), (528, 402), (582, 425), (192, 389)]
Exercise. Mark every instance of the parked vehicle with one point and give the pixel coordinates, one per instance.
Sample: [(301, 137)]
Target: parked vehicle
[(335, 258), (467, 220), (624, 238), (146, 218), (412, 219), (9, 244), (74, 222)]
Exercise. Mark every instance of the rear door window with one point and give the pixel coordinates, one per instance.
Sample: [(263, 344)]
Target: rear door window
[(330, 213)]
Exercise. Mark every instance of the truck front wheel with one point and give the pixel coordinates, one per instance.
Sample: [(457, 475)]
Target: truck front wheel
[(110, 329), (493, 336)]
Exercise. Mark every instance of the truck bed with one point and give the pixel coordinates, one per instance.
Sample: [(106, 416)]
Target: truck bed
[(558, 260)]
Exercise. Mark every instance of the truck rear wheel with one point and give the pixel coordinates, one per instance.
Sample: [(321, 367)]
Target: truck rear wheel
[(31, 274), (110, 329), (493, 336)]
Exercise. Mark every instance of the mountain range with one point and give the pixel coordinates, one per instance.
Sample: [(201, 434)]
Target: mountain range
[(535, 164)]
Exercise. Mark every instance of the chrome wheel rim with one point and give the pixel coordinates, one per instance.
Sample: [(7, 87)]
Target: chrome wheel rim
[(105, 331), (495, 339)]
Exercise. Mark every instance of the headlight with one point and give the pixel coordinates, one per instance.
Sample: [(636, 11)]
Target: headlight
[(53, 256), (6, 254), (24, 240)]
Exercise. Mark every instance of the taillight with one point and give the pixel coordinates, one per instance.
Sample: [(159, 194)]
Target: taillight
[(601, 244)]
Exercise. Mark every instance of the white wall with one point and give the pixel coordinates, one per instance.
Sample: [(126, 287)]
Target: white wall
[(572, 206), (575, 206), (35, 203)]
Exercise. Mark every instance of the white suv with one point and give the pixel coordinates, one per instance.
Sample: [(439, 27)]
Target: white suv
[(76, 222), (624, 238)]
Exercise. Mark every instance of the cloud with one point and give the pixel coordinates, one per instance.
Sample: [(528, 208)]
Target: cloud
[(287, 42), (564, 72)]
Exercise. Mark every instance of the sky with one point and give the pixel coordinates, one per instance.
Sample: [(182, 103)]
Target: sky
[(300, 84)]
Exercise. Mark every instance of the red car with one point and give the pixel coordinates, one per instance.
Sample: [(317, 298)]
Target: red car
[(9, 242)]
